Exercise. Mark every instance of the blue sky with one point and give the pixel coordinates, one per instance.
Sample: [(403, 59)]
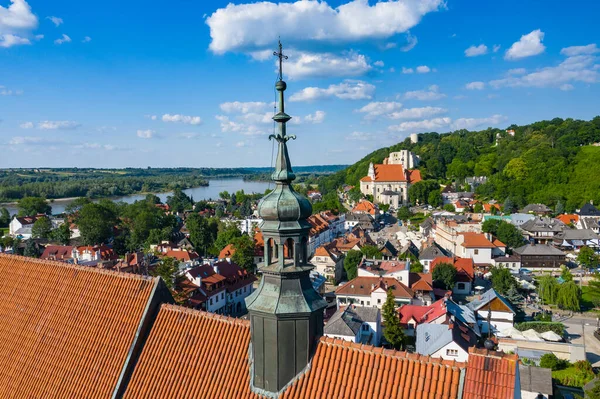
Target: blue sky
[(190, 83)]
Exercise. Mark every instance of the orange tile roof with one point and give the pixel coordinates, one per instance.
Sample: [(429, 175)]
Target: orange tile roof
[(182, 256), (488, 207), (366, 207), (66, 330), (568, 218), (176, 362), (464, 266), (227, 252), (365, 285), (490, 375), (498, 243), (389, 173), (414, 175), (476, 240), (420, 281)]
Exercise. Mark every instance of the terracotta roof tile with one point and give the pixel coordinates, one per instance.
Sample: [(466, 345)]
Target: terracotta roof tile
[(490, 375), (176, 362), (365, 285), (464, 266), (66, 330), (476, 240)]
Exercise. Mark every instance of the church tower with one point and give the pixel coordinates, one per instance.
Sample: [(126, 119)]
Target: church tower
[(286, 313)]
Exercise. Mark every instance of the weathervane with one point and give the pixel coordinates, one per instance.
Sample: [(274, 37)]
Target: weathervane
[(279, 54)]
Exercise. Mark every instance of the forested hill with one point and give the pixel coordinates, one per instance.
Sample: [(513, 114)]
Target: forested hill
[(546, 162)]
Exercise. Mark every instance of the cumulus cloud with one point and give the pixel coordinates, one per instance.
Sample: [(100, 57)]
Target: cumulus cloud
[(317, 117), (58, 125), (407, 70), (446, 123), (63, 39), (580, 50), (423, 69), (432, 93), (86, 39), (577, 68), (17, 23), (177, 118), (529, 45), (360, 136), (243, 107), (475, 86), (55, 20), (347, 90), (146, 134), (496, 48), (417, 113), (411, 42), (303, 65), (474, 51), (517, 71), (377, 108), (379, 63), (241, 27), (26, 125)]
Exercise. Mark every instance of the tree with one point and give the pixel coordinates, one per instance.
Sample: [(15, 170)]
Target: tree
[(30, 206), (31, 249), (225, 235), (549, 361), (95, 223), (4, 217), (478, 208), (41, 228), (513, 296), (547, 289), (565, 273), (166, 269), (568, 296), (444, 276), (435, 198), (503, 280), (351, 261), (62, 234), (560, 208), (449, 208), (371, 252), (516, 169), (6, 242), (509, 206), (393, 332), (244, 252), (404, 213), (504, 231), (76, 205), (587, 257), (179, 201), (416, 267), (201, 235)]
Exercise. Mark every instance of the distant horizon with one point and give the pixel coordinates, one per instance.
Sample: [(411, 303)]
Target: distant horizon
[(169, 167)]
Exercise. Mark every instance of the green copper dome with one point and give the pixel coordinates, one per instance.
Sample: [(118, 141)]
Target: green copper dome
[(284, 205)]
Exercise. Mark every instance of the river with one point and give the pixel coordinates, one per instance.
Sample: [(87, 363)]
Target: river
[(215, 186)]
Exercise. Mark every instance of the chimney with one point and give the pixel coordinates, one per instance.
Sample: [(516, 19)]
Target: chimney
[(216, 267)]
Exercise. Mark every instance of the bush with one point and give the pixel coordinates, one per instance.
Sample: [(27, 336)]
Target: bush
[(541, 327), (550, 361), (573, 376)]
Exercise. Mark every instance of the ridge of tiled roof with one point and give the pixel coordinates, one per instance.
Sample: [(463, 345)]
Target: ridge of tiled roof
[(68, 330)]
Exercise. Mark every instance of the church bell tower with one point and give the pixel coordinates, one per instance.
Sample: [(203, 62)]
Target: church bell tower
[(286, 313)]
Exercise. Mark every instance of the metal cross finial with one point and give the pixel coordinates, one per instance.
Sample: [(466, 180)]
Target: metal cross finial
[(281, 57)]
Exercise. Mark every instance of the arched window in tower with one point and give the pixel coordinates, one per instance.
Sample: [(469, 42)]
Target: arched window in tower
[(288, 249)]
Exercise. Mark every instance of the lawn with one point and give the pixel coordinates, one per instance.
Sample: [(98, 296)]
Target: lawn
[(587, 300)]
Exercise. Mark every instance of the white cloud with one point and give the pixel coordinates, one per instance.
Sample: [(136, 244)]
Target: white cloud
[(411, 42), (446, 123), (243, 107), (347, 90), (529, 45), (407, 70), (55, 125), (98, 146), (145, 134), (86, 39), (377, 108), (8, 92), (379, 63), (360, 136), (474, 51), (227, 126), (580, 50), (177, 118), (432, 93), (305, 65), (417, 113), (317, 117), (496, 48), (578, 68), (475, 86), (423, 69), (517, 71), (26, 125), (392, 70), (55, 20), (240, 144), (566, 87), (242, 27), (17, 23), (63, 39)]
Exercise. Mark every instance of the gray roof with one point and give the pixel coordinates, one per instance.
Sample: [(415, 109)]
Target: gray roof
[(577, 234), (535, 379), (589, 210), (427, 223), (389, 192), (432, 252), (348, 321), (481, 300), (536, 208), (590, 222), (543, 224), (359, 217), (464, 314), (432, 337), (538, 249)]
